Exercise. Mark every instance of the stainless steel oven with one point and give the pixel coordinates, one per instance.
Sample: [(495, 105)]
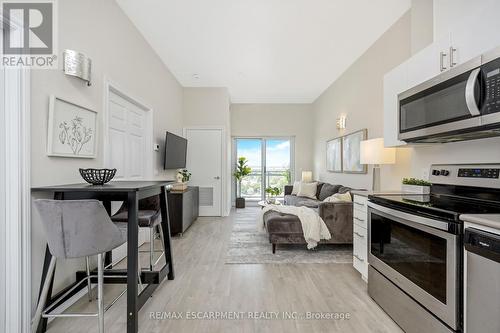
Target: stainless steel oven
[(460, 104), (418, 254)]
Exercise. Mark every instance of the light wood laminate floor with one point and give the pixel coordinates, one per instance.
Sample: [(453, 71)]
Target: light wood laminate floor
[(206, 284)]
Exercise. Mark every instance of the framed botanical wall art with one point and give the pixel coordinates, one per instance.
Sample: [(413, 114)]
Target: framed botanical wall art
[(334, 155), (72, 130), (351, 152)]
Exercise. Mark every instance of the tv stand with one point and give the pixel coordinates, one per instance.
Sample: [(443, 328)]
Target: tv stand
[(183, 209)]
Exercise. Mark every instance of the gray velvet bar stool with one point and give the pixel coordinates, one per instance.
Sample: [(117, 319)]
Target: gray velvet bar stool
[(77, 229), (149, 217)]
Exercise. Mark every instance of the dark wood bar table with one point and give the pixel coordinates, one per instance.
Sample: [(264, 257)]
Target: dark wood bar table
[(131, 192)]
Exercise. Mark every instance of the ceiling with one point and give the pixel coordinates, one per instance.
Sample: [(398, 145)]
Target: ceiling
[(263, 51)]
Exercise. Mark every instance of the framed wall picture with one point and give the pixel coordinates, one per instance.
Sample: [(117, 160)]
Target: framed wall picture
[(351, 152), (72, 130), (334, 155)]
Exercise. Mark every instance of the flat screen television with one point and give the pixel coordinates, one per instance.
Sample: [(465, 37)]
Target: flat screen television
[(175, 151)]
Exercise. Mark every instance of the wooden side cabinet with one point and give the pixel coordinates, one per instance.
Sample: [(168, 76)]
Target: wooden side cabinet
[(183, 209)]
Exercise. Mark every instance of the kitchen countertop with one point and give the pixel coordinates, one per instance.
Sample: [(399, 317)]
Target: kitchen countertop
[(488, 220), (367, 193)]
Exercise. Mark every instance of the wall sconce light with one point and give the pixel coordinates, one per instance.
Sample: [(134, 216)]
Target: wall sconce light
[(341, 122), (77, 64)]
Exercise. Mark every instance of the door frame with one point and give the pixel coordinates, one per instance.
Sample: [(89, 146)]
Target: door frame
[(111, 87), (225, 168), (16, 195), (263, 157)]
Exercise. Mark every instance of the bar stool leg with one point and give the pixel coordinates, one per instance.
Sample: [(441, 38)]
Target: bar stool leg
[(43, 295), (151, 247), (161, 241), (100, 291), (89, 283)]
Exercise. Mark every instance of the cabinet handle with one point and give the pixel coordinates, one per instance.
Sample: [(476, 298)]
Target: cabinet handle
[(452, 56), (357, 257), (442, 67), (359, 235)]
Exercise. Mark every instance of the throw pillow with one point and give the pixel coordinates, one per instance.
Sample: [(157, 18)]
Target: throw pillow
[(339, 197), (307, 190), (296, 187), (328, 190)]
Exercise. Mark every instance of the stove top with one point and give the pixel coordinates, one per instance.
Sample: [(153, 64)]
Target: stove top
[(456, 189), (437, 206)]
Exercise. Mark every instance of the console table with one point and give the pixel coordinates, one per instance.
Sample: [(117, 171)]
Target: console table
[(183, 209)]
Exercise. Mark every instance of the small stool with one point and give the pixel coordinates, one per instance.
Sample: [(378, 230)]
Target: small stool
[(149, 217), (77, 229)]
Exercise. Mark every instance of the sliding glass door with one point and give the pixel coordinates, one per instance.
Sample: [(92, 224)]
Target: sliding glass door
[(271, 160)]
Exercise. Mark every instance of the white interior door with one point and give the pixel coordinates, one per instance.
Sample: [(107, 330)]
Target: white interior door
[(127, 149), (127, 139), (204, 161)]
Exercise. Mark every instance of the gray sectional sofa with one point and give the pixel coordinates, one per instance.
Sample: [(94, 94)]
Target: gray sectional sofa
[(287, 229)]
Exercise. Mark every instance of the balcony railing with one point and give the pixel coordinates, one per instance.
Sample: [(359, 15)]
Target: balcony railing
[(251, 186)]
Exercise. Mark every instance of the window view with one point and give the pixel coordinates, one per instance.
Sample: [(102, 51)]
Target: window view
[(269, 160)]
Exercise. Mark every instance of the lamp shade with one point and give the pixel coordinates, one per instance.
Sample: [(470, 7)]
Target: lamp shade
[(373, 152), (307, 176)]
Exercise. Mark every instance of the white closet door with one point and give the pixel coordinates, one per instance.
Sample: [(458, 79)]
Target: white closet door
[(127, 149), (127, 139), (204, 161)]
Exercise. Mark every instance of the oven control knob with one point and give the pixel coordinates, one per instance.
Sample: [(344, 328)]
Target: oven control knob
[(445, 173), (435, 172)]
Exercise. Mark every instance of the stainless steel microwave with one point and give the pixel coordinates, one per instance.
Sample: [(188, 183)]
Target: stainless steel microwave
[(460, 104)]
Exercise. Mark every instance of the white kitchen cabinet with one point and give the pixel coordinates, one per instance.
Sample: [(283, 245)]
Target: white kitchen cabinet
[(395, 82), (477, 35), (360, 235), (429, 62)]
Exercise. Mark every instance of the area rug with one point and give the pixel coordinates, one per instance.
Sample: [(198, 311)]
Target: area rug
[(251, 246)]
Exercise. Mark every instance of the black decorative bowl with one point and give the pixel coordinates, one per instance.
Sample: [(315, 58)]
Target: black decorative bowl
[(97, 176)]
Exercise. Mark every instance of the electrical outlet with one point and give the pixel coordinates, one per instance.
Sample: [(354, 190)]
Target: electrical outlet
[(425, 174)]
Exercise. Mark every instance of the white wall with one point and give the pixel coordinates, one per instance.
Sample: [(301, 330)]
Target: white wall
[(448, 14), (100, 29), (295, 120), (209, 107), (358, 94)]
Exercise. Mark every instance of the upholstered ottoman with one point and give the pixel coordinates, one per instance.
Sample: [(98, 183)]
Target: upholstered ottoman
[(283, 229)]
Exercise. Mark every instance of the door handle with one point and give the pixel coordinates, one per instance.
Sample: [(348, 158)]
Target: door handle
[(470, 99), (357, 257), (442, 67), (359, 235), (216, 177), (452, 56)]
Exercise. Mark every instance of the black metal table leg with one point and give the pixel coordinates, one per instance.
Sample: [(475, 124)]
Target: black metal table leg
[(165, 224), (108, 258), (132, 263)]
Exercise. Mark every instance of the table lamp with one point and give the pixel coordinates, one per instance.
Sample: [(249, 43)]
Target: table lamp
[(307, 176), (373, 152)]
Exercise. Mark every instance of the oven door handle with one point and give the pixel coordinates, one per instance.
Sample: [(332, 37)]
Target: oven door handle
[(470, 99), (441, 225)]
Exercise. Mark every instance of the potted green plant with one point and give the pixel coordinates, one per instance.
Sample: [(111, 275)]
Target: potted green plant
[(417, 186), (182, 177), (242, 170), (273, 193)]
